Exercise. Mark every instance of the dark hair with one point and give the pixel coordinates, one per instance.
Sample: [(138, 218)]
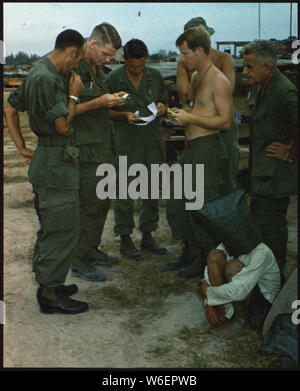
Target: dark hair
[(105, 33), (195, 37), (69, 38), (135, 48)]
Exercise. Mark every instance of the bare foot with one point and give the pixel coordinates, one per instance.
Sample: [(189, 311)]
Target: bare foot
[(205, 327)]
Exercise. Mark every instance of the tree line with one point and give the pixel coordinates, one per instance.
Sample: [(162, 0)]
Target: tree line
[(20, 58)]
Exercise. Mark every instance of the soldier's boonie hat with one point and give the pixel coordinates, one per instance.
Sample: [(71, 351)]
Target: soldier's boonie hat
[(194, 22)]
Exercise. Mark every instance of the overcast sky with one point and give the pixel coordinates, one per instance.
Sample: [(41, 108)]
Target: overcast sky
[(33, 27)]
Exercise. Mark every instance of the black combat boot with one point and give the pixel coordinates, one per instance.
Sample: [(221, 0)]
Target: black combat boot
[(98, 257), (195, 268), (52, 301), (148, 244), (129, 250), (183, 260)]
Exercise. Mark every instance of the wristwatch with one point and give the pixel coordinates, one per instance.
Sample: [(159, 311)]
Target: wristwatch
[(74, 98)]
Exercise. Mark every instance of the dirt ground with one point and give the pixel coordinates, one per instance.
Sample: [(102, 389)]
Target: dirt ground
[(109, 335)]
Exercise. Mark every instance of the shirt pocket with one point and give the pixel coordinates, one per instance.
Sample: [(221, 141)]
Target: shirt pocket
[(263, 124), (88, 93)]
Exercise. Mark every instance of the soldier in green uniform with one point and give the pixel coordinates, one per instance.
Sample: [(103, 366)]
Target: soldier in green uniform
[(141, 144), (211, 112), (93, 137), (273, 119), (224, 62), (53, 171)]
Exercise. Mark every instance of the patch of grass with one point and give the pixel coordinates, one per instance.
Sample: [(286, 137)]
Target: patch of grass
[(246, 352), (160, 350), (187, 333), (22, 204), (14, 155), (198, 360), (134, 325), (208, 351), (121, 295), (241, 352), (143, 292), (146, 284), (14, 179), (24, 121), (14, 164)]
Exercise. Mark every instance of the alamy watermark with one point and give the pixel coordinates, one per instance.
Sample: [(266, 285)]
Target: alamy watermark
[(183, 183), (296, 54), (296, 313)]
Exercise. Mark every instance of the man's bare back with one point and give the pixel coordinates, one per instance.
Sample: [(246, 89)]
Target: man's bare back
[(203, 94)]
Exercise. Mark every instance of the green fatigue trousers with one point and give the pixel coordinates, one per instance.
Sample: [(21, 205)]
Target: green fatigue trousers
[(230, 165), (124, 208), (270, 216), (201, 150), (57, 238), (93, 211)]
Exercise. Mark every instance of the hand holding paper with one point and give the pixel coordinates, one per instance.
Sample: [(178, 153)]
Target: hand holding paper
[(152, 107)]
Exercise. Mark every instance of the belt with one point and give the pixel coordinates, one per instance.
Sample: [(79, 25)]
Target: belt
[(54, 141)]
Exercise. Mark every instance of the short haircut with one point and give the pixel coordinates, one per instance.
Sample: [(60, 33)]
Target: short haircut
[(135, 48), (105, 34), (69, 38), (195, 37), (263, 50)]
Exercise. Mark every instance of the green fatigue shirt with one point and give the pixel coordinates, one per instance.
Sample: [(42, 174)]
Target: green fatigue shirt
[(273, 118), (44, 95), (152, 89), (93, 134)]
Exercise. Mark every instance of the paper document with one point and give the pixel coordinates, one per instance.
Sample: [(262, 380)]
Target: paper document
[(152, 107)]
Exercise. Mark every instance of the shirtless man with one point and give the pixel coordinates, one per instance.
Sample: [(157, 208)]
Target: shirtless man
[(212, 112), (224, 62)]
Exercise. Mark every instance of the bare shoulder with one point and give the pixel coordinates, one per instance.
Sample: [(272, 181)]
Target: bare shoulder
[(221, 59), (227, 60), (217, 77), (219, 83)]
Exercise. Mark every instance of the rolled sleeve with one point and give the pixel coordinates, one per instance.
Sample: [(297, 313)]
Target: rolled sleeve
[(52, 98), (56, 111), (17, 99)]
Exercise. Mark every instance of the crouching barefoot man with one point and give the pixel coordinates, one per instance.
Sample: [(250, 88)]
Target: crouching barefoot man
[(238, 291)]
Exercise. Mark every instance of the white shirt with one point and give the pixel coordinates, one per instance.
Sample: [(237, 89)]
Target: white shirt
[(260, 268)]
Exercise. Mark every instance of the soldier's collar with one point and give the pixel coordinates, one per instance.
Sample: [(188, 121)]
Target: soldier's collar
[(269, 85), (146, 75), (51, 67)]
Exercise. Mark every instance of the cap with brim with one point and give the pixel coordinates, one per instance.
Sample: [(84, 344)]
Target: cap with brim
[(197, 22)]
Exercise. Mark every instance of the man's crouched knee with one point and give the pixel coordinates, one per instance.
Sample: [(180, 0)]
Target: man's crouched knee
[(233, 267), (215, 258)]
